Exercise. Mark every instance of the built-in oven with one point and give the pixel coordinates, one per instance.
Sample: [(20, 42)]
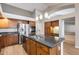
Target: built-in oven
[(33, 30)]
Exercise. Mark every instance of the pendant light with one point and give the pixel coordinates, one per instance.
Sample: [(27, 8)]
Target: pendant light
[(46, 15), (41, 16), (37, 18)]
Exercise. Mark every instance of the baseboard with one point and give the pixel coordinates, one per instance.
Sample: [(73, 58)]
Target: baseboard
[(76, 46)]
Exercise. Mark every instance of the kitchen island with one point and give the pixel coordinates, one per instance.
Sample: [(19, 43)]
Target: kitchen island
[(40, 45)]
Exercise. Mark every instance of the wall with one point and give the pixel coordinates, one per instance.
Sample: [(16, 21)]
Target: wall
[(77, 25), (69, 28), (61, 28), (40, 27), (39, 24)]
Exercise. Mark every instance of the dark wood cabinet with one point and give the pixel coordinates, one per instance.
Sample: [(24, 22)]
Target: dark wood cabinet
[(33, 50), (59, 50), (42, 50), (55, 23), (30, 46), (1, 42), (32, 23), (9, 39), (26, 45), (49, 26), (53, 51)]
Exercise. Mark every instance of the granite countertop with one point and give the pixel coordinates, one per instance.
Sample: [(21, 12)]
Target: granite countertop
[(6, 33), (47, 41)]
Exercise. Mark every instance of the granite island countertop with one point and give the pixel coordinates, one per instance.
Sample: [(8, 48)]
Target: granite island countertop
[(47, 41)]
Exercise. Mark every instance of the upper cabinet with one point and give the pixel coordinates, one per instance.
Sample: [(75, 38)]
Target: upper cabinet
[(52, 28), (32, 23), (47, 28)]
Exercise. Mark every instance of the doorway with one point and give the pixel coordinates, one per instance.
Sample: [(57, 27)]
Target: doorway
[(69, 43)]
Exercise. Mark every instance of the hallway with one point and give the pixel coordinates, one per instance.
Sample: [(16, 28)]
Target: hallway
[(13, 50), (69, 45)]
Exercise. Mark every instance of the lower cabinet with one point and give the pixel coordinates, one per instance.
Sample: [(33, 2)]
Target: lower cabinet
[(7, 40), (11, 39), (41, 50), (2, 41), (53, 51), (26, 45), (35, 48), (59, 50)]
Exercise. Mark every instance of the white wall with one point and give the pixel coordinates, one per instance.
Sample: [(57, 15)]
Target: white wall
[(61, 32), (39, 24), (77, 25), (39, 27), (61, 28), (69, 28)]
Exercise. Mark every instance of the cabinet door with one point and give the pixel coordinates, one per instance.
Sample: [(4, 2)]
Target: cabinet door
[(32, 47), (55, 23), (27, 46), (32, 23), (47, 28), (53, 51), (12, 39), (45, 48), (1, 43), (42, 50), (58, 50), (24, 43)]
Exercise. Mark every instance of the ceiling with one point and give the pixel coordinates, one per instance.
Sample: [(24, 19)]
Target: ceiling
[(60, 9), (62, 12), (32, 6)]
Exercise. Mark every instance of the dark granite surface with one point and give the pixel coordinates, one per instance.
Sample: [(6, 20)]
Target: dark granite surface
[(47, 41), (6, 33)]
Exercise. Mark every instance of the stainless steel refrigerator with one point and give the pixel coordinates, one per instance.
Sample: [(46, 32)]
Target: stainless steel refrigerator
[(23, 30)]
